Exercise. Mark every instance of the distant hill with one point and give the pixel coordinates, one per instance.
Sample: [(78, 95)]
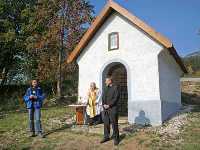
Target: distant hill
[(192, 62), (193, 54)]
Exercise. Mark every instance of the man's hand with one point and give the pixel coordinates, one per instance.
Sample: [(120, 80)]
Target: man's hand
[(106, 106), (31, 97)]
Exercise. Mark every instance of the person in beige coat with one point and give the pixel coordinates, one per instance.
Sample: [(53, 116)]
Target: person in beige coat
[(94, 104)]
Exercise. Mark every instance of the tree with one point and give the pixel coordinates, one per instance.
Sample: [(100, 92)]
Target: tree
[(56, 28), (190, 70), (14, 15)]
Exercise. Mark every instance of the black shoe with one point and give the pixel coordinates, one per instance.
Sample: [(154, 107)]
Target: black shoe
[(90, 124), (116, 142), (104, 140), (32, 134), (98, 122), (95, 123), (41, 135)]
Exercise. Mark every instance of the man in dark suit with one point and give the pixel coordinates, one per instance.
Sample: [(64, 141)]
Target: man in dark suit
[(110, 99)]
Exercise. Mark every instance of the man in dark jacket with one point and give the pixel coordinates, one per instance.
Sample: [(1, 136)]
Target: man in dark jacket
[(110, 99)]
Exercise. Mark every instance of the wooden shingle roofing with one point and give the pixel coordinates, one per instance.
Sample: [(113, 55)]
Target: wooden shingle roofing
[(107, 10)]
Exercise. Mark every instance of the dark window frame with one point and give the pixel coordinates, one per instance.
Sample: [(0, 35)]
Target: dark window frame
[(109, 41)]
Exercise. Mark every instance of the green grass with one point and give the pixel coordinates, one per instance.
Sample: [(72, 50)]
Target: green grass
[(13, 127), (191, 131), (13, 134)]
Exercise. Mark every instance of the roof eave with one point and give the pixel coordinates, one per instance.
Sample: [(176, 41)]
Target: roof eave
[(90, 32), (178, 59)]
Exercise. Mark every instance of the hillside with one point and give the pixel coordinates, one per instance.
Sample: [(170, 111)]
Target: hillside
[(197, 53), (192, 62)]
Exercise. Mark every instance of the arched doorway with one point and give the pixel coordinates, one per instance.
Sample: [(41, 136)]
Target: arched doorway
[(119, 74)]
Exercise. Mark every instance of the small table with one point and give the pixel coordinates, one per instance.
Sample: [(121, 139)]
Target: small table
[(80, 110)]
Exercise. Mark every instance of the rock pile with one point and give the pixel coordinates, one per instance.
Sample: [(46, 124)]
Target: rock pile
[(171, 129)]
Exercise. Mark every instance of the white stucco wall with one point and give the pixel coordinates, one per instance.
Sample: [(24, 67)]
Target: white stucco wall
[(170, 92), (138, 53)]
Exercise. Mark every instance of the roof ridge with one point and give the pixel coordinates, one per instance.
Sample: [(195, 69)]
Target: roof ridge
[(99, 20)]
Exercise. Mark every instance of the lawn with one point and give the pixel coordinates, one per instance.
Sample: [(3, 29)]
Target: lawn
[(13, 134)]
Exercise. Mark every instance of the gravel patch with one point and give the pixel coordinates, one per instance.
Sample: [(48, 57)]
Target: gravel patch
[(169, 132)]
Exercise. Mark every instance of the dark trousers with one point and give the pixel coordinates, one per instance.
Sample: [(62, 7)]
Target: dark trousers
[(110, 117)]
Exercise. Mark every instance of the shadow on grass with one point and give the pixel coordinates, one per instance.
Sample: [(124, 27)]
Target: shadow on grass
[(121, 137), (196, 108), (191, 99), (26, 148), (67, 126)]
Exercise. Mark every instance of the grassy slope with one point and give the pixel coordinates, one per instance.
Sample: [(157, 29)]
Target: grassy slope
[(13, 134), (191, 131)]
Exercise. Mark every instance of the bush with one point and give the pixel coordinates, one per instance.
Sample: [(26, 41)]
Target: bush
[(11, 96)]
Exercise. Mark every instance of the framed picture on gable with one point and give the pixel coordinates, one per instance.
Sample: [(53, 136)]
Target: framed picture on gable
[(113, 41)]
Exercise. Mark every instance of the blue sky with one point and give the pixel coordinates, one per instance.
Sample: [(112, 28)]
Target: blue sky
[(178, 20)]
